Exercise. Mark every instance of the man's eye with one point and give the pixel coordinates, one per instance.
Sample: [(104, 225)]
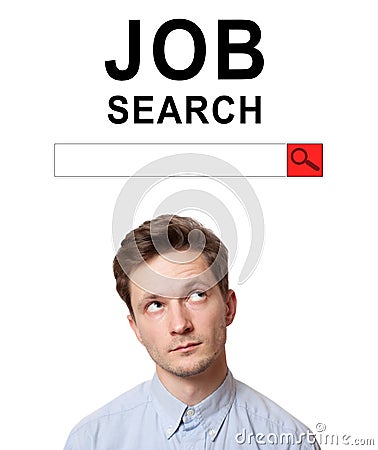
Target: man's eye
[(154, 306), (197, 296)]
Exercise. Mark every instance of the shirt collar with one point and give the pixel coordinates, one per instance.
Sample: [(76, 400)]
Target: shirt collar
[(170, 409), (212, 411)]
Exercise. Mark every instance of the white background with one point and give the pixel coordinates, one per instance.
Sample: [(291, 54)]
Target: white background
[(304, 335)]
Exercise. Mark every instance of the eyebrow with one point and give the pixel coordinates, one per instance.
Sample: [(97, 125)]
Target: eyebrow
[(200, 284)]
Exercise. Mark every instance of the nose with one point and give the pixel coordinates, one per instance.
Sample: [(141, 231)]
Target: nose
[(179, 319)]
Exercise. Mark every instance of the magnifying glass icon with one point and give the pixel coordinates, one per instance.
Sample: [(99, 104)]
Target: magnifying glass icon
[(299, 156)]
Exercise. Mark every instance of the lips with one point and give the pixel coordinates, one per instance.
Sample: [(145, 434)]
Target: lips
[(187, 347)]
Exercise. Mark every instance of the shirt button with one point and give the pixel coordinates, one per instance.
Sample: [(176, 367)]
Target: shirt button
[(190, 412), (169, 430), (211, 432)]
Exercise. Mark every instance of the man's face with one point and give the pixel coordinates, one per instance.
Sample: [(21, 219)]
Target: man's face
[(184, 332)]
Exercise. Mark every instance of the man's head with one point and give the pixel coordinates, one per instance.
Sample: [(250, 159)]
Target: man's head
[(160, 236), (178, 295)]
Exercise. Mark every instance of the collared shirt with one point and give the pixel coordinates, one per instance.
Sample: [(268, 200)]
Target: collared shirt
[(148, 417)]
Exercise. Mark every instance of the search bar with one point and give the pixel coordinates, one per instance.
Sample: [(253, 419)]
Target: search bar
[(125, 159)]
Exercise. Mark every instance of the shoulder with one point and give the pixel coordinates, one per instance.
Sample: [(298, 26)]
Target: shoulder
[(118, 409), (265, 415)]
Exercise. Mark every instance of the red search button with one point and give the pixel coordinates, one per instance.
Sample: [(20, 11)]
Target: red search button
[(304, 160)]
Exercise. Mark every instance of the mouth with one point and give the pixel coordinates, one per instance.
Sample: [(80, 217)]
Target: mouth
[(187, 347)]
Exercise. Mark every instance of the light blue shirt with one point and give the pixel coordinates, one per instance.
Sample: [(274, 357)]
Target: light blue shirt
[(148, 417)]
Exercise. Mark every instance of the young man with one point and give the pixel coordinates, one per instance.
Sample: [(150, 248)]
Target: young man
[(172, 274)]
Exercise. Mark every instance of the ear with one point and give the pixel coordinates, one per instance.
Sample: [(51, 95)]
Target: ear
[(135, 328), (230, 307)]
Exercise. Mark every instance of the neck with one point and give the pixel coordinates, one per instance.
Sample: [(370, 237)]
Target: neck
[(193, 389)]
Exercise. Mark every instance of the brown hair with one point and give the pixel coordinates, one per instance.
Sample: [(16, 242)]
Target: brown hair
[(140, 245)]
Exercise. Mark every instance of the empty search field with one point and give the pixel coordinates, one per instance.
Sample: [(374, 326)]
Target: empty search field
[(126, 159)]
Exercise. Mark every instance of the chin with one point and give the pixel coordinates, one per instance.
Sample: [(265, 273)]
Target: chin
[(186, 373), (192, 369)]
